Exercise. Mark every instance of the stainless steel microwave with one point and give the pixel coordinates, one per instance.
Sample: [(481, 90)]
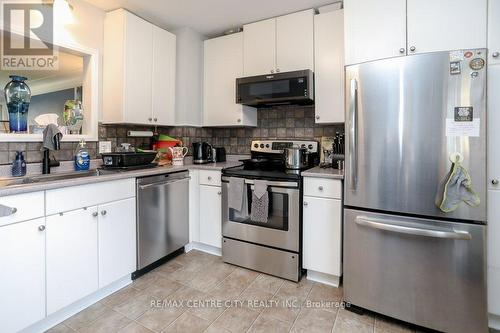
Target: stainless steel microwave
[(295, 87)]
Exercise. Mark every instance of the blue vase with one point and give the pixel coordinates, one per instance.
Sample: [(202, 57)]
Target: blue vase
[(18, 97)]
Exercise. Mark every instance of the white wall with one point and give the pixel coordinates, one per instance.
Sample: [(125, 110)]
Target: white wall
[(189, 90)]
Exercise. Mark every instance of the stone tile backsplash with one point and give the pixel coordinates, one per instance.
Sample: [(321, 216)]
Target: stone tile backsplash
[(283, 122)]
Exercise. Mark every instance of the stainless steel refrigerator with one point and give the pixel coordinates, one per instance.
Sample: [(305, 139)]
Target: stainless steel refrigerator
[(403, 256)]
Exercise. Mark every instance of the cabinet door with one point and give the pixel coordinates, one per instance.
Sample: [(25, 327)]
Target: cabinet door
[(494, 252), (138, 68), (329, 67), (22, 281), (164, 57), (493, 126), (322, 238), (117, 242), (374, 30), (295, 41), (259, 47), (446, 25), (494, 31), (71, 257), (210, 215)]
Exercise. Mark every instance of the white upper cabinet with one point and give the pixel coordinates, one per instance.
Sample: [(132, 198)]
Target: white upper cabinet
[(295, 41), (259, 45), (329, 67), (446, 25), (163, 89), (223, 63), (374, 30), (138, 71), (494, 31), (279, 44), (22, 281)]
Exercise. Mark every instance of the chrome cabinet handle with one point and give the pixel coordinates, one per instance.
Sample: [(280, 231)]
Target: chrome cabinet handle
[(103, 212), (353, 140), (94, 214), (412, 48), (320, 188), (494, 181), (277, 70), (239, 120), (41, 228), (380, 224), (150, 119), (305, 204), (495, 54), (155, 119), (7, 211), (219, 193), (317, 117), (209, 178), (272, 71), (402, 50)]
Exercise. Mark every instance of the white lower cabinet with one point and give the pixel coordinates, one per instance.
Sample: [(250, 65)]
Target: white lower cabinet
[(322, 235), (210, 215), (72, 257), (117, 240), (322, 230), (22, 277)]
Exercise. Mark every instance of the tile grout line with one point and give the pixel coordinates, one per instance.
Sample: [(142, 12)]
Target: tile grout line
[(301, 306), (260, 313)]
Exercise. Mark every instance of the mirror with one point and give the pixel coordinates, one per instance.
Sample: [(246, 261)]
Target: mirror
[(67, 95), (51, 92)]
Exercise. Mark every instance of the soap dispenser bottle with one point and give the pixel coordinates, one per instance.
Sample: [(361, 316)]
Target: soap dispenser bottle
[(82, 157), (19, 165)]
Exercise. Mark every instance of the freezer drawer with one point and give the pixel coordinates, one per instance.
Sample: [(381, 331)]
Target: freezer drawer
[(427, 272)]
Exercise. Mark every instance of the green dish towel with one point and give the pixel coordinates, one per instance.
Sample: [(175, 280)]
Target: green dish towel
[(456, 188)]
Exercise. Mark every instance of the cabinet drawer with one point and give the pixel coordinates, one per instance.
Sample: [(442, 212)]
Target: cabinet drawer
[(324, 188), (24, 207), (70, 198), (210, 177)]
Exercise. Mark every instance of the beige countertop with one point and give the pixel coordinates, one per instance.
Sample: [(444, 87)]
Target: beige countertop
[(324, 173), (48, 185)]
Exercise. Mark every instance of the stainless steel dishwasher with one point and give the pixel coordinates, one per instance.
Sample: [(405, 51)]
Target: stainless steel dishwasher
[(162, 216)]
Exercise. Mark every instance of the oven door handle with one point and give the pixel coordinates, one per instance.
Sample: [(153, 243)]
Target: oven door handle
[(269, 183)]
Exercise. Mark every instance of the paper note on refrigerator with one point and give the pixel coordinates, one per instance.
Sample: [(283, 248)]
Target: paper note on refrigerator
[(463, 128)]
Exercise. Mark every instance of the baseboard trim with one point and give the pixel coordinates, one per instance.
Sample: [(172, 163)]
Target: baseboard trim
[(323, 278), (204, 248), (63, 314)]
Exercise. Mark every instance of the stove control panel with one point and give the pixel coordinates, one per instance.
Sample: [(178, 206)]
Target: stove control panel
[(276, 147)]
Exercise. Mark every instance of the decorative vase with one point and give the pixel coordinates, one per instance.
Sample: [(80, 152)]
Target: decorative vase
[(18, 97)]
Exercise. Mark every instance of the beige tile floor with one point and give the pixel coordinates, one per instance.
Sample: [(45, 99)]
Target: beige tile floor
[(197, 292)]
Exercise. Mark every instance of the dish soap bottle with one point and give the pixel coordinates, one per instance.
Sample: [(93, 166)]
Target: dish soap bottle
[(82, 157), (19, 165)]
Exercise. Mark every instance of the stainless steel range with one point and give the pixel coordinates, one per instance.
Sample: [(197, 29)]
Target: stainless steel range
[(270, 245)]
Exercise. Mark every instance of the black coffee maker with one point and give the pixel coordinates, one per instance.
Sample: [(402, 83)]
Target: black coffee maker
[(202, 153)]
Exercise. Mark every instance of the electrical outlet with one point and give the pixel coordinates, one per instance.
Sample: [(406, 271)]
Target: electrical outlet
[(104, 147)]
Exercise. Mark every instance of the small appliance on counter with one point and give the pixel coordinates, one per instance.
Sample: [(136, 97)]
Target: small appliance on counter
[(19, 165), (219, 154), (202, 153), (127, 157)]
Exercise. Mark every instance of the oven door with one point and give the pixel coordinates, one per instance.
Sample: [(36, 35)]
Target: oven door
[(282, 228)]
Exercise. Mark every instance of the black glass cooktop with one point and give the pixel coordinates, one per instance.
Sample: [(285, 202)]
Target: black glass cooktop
[(256, 173)]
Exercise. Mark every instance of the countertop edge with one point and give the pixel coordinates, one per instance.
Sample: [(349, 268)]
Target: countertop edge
[(328, 173)]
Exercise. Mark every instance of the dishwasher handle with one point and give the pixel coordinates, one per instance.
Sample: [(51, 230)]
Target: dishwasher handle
[(167, 182)]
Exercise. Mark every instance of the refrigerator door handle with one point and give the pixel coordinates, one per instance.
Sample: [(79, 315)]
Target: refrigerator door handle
[(380, 225), (353, 140)]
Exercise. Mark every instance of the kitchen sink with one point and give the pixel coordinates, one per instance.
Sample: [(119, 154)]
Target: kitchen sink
[(8, 181)]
